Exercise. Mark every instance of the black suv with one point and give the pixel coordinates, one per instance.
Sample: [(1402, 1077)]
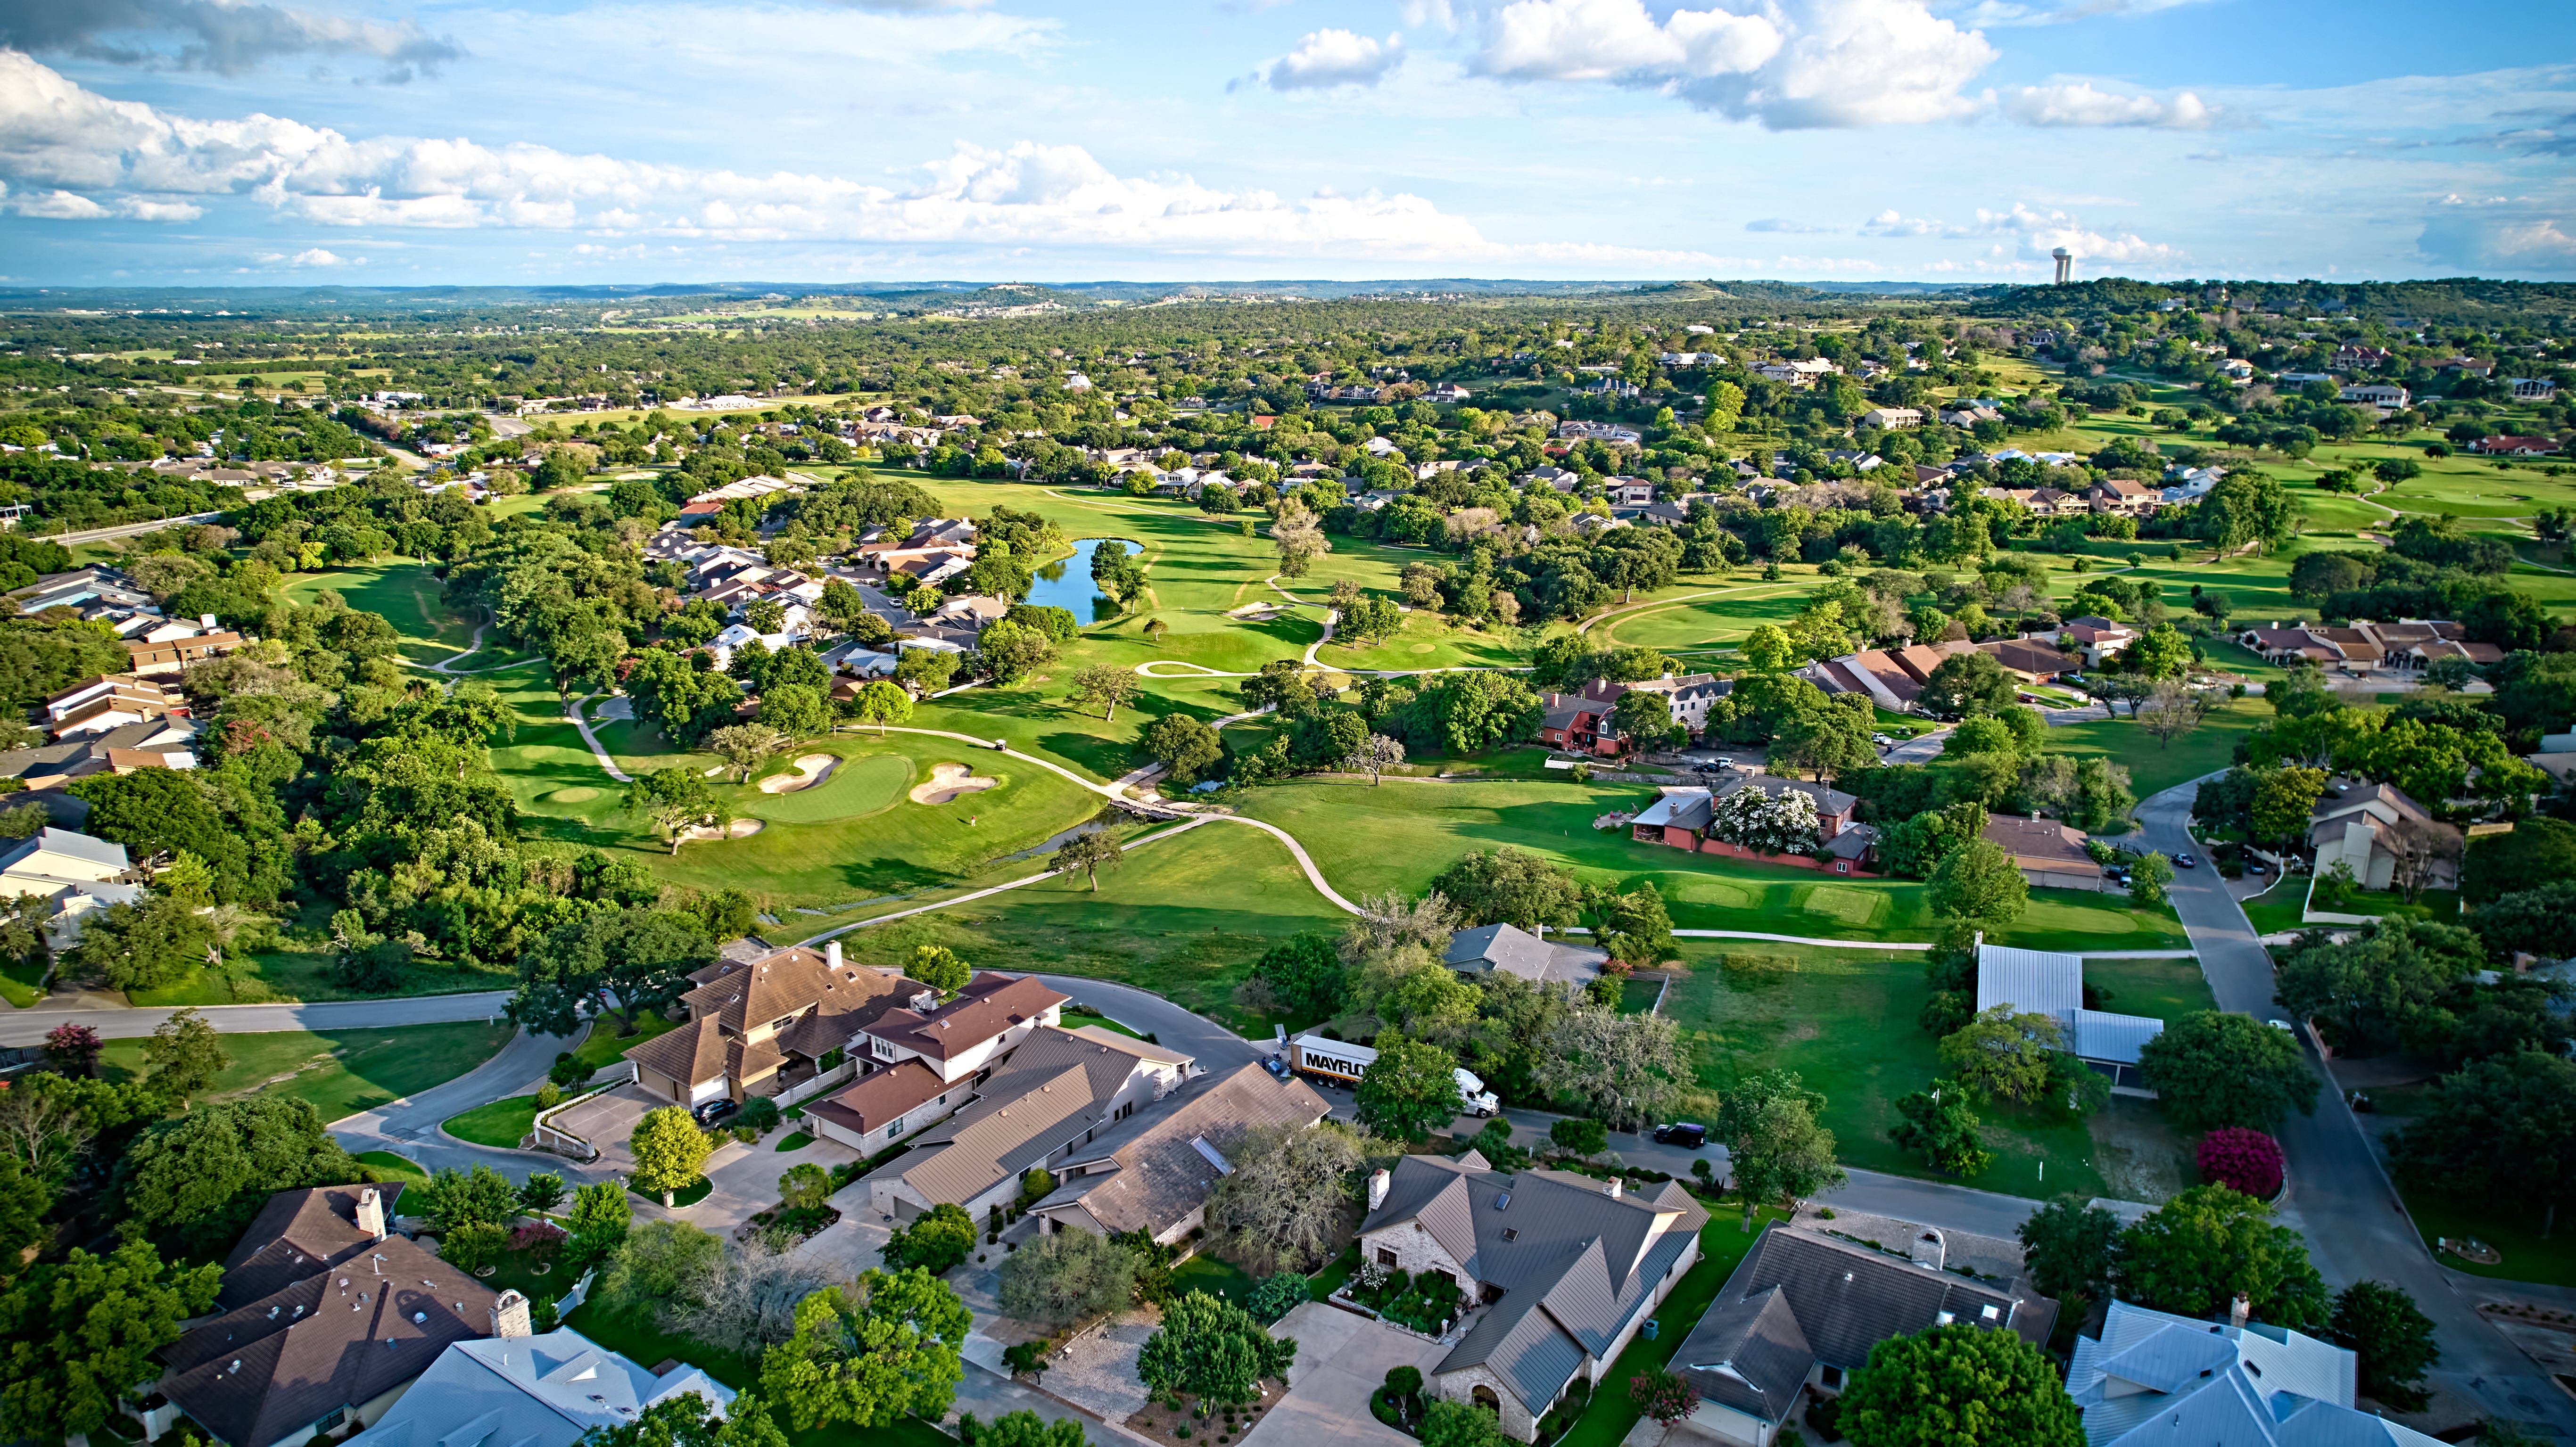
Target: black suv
[(709, 1112), (1682, 1133)]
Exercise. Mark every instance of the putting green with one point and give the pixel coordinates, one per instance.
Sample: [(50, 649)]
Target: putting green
[(861, 785), (577, 794), (1851, 906)]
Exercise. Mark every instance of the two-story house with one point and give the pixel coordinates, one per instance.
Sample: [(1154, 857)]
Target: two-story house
[(986, 1021), (770, 1024)]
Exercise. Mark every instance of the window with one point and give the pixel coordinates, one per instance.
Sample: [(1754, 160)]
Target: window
[(338, 1416), (894, 1127), (1385, 1257), (1831, 1376)]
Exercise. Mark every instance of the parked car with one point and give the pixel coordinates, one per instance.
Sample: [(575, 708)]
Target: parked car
[(1275, 1066), (710, 1112), (1687, 1134), (2185, 861)]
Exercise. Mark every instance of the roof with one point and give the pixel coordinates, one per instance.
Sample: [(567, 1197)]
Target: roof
[(2031, 981), (2023, 656), (2151, 1377), (1829, 800), (2044, 841), (990, 1004), (1054, 1091), (883, 1095), (1504, 947), (2099, 1035), (529, 1391), (64, 841), (296, 1235), (733, 998), (1840, 1298), (274, 1366), (1574, 1261), (1166, 1156)]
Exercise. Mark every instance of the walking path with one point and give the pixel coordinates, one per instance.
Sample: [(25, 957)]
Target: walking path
[(28, 1027), (572, 711)]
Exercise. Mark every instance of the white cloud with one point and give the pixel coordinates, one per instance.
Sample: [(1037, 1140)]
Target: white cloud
[(2498, 234), (2006, 12), (229, 36), (1336, 57), (1789, 64), (1890, 223), (913, 7), (316, 256), (2038, 233), (2079, 104)]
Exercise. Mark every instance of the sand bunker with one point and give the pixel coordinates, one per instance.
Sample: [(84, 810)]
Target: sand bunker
[(811, 769), (947, 781), (1256, 612), (741, 829)]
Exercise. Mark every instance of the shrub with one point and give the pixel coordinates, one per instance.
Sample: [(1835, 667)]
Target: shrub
[(1276, 1296), (543, 1236), (567, 1072), (549, 1095), (1738, 962), (2247, 1160), (938, 1239), (760, 1113), (471, 1247)]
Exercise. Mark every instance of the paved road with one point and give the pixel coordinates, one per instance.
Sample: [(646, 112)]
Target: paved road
[(127, 530), (409, 1127), (28, 1027), (2340, 1195)]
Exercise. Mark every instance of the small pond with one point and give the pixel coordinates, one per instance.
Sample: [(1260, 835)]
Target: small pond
[(1067, 583)]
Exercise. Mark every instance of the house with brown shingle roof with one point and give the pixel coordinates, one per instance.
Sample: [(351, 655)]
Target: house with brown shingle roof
[(989, 1017), (305, 1233), (1054, 1096), (2049, 854), (1152, 1172), (332, 1349), (766, 1025)]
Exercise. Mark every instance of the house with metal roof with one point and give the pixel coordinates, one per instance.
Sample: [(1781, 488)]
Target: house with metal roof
[(2039, 982), (531, 1391), (1559, 1271), (1802, 1311), (2152, 1378), (1515, 951), (1152, 1172)]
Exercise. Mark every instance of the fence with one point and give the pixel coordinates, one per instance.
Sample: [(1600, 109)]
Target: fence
[(551, 1137), (816, 1086)]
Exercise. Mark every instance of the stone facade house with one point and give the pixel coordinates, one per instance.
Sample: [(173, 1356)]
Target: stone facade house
[(1152, 1172), (767, 1025)]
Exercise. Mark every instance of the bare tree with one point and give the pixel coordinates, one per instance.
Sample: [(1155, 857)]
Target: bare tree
[(1375, 757), (2172, 708), (1299, 538), (1287, 1204), (750, 1303), (1391, 920), (2420, 853)]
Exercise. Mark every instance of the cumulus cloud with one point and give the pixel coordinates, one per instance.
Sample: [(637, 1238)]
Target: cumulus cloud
[(230, 36), (912, 7), (1335, 57), (2498, 234), (68, 153), (1892, 223), (2079, 104), (1788, 64), (2030, 234), (316, 256), (2008, 12)]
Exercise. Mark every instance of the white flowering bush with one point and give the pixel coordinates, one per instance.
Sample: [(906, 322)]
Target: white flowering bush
[(1758, 821)]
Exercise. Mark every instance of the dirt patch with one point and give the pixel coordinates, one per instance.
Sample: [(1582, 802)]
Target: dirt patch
[(2140, 1156), (811, 769), (947, 782), (739, 829)]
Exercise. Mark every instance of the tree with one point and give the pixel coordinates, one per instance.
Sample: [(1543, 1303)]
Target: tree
[(1299, 538), (1060, 1278), (2069, 1249), (1022, 1428), (1767, 649), (1088, 852), (2171, 709), (2502, 1129), (199, 1178), (868, 1354), (1447, 1423), (1958, 1385), (617, 963), (796, 710), (1775, 1147), (1625, 1069), (140, 946), (1511, 886), (541, 1192), (1410, 1088), (927, 670), (2393, 986), (674, 799), (2003, 1054), (879, 702), (2212, 1069), (660, 1262), (745, 746), (1578, 1136), (1646, 720), (2149, 874), (1662, 1394), (453, 1198), (1212, 1349), (2540, 921), (1303, 978), (2159, 653), (2536, 851), (2381, 1324), (1184, 746), (2284, 800), (1374, 758), (73, 1050), (936, 1240), (939, 967), (1965, 684), (1282, 1207), (1634, 927), (85, 1334), (1979, 881), (1937, 1123), (599, 1220), (186, 1055), (1105, 688), (2204, 1248), (670, 1152), (685, 1419)]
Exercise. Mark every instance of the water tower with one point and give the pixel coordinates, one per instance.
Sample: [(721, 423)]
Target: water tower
[(2065, 265)]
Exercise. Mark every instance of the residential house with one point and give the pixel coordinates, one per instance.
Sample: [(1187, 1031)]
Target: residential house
[(2038, 982), (1610, 432), (304, 1233), (75, 873), (330, 1349), (2515, 446), (2094, 638), (2031, 662), (1511, 950), (1877, 672), (2152, 1379), (1560, 1271), (1972, 415), (166, 657), (536, 1390), (2360, 357), (2125, 497), (2386, 396), (1802, 1312), (1681, 818), (1892, 417), (89, 591), (2380, 834), (2533, 389), (2049, 854), (1449, 392), (1054, 1096), (1577, 723), (768, 1025), (1805, 373), (121, 700), (1152, 1172), (986, 1021)]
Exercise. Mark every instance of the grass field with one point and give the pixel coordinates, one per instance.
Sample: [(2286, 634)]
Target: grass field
[(21, 982), (394, 1167), (501, 1123), (2154, 768), (296, 974), (1847, 1023), (341, 1071)]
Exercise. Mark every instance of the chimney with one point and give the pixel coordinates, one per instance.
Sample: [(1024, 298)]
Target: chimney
[(832, 955), (206, 621), (510, 1315), (1929, 1250), (1610, 1188), (2240, 1311), (1378, 1182), (371, 1213)]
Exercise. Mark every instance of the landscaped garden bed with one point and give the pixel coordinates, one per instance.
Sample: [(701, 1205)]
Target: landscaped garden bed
[(1202, 1421), (1429, 1303)]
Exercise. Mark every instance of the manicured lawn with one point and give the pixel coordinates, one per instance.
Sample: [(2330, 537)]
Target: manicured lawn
[(341, 1071), (301, 974), (1427, 640), (605, 1047), (400, 1168), (2153, 769), (2514, 1233), (502, 1123), (1734, 608), (2165, 989), (22, 982), (1723, 1243), (407, 595), (2282, 907), (1204, 1272)]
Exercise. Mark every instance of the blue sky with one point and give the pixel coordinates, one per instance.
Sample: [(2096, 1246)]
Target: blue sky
[(204, 142)]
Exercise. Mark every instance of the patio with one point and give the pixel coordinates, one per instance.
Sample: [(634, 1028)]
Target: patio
[(1341, 1359)]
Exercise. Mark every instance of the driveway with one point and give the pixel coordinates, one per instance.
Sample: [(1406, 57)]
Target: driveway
[(409, 1127), (607, 1120), (745, 1178), (1341, 1359)]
